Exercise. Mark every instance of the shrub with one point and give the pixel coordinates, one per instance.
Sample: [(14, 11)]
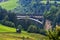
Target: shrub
[(19, 28), (33, 29), (54, 34), (8, 23)]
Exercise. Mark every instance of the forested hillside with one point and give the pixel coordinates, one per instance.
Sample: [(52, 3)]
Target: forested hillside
[(30, 19)]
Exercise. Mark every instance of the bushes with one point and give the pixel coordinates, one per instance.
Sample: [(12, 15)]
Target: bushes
[(8, 23), (19, 28), (33, 29), (54, 34)]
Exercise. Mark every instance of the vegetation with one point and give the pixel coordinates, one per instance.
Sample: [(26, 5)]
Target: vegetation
[(19, 28), (9, 24), (33, 29), (6, 29), (7, 18), (53, 15), (54, 34), (10, 33), (9, 5)]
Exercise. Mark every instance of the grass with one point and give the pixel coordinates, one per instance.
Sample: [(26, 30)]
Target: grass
[(6, 29), (58, 27), (9, 5), (9, 33)]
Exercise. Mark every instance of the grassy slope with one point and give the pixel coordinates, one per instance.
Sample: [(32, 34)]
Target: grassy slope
[(9, 33), (9, 5), (6, 29)]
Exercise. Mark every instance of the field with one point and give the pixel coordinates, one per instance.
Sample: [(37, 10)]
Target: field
[(9, 5), (10, 33)]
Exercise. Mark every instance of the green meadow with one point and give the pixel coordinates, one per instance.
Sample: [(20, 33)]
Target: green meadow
[(10, 33), (9, 5)]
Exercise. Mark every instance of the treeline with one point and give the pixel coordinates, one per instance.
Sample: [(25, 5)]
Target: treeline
[(8, 18), (53, 15)]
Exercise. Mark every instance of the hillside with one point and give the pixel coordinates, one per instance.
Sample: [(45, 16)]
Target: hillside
[(9, 5), (6, 29), (9, 33)]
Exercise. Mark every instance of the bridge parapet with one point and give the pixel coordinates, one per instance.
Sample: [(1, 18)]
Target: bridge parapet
[(34, 18), (30, 17)]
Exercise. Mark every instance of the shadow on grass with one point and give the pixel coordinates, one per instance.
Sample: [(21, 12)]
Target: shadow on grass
[(14, 35), (8, 32)]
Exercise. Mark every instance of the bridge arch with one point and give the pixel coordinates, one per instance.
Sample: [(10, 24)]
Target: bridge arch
[(36, 20)]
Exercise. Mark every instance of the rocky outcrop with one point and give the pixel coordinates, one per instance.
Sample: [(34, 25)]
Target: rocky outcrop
[(48, 25)]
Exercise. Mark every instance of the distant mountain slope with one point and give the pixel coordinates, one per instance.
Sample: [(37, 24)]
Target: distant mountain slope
[(33, 6), (9, 5), (3, 0)]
